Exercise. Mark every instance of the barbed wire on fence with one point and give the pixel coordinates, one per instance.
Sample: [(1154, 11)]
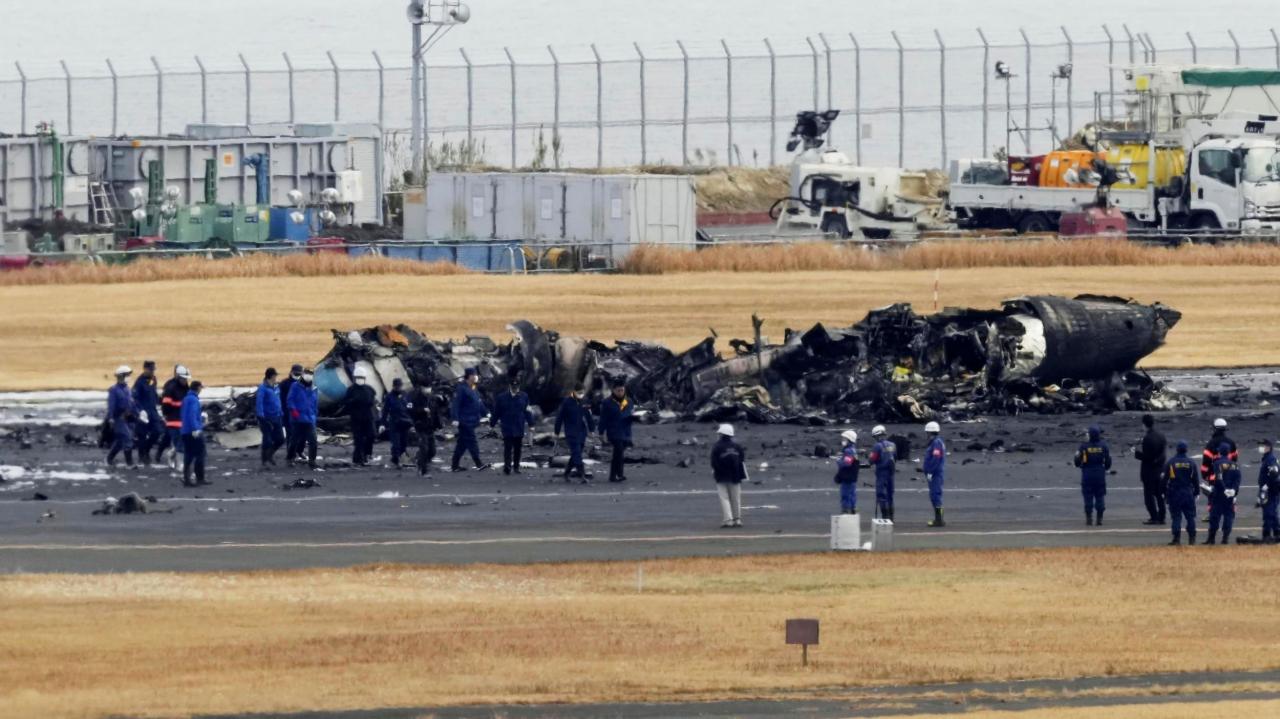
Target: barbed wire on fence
[(907, 103)]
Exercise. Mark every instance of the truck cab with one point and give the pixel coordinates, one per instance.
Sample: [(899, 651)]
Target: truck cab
[(1234, 184)]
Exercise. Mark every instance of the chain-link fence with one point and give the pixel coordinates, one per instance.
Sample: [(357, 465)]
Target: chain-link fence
[(914, 102)]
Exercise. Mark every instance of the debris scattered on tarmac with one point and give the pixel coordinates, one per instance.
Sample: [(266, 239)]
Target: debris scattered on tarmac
[(457, 502), (132, 503), (301, 483)]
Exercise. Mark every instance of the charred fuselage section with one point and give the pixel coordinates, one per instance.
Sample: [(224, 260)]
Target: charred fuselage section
[(1034, 354)]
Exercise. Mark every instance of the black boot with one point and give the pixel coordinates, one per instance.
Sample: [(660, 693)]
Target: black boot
[(1191, 537), (1088, 517), (1100, 511), (1177, 540), (1212, 538), (937, 518)]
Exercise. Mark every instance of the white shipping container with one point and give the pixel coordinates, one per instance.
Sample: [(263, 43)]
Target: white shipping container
[(614, 212)]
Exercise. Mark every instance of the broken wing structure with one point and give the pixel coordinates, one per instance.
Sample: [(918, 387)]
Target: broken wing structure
[(1037, 353)]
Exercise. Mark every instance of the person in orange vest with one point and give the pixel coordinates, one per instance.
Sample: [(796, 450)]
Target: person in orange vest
[(171, 398)]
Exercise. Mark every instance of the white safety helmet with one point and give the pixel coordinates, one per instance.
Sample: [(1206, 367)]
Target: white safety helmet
[(878, 430), (123, 370), (182, 371), (726, 430), (933, 428), (849, 436), (1219, 423), (360, 375)]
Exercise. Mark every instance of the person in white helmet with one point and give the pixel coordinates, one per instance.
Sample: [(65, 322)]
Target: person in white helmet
[(935, 465), (361, 405), (884, 457), (728, 465), (171, 398), (121, 413), (847, 472)]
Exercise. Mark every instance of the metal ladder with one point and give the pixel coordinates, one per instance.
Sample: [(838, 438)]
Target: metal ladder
[(103, 207)]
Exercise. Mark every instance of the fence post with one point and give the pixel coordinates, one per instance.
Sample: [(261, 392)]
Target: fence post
[(684, 122), (1275, 39), (1026, 135), (986, 89), (857, 99), (773, 104), (470, 95), (1129, 35), (599, 107), (644, 112), (817, 98), (1231, 34), (1111, 72), (22, 78), (115, 96), (511, 61), (826, 49), (288, 64), (382, 89), (204, 91), (67, 72), (337, 87), (426, 103), (902, 100), (1152, 44), (248, 91), (728, 86), (1195, 51), (942, 94), (1071, 60), (555, 118), (159, 96)]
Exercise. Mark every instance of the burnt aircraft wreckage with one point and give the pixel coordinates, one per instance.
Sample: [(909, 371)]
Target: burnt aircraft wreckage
[(1035, 354)]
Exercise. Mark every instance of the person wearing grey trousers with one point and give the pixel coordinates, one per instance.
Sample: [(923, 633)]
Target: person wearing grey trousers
[(728, 464)]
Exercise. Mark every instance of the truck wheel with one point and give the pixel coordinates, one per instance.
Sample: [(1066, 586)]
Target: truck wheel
[(1204, 222), (1035, 222), (876, 233), (837, 225)]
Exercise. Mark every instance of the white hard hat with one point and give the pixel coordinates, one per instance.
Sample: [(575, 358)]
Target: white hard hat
[(849, 436), (933, 427), (1219, 423), (360, 373), (182, 371), (726, 430), (878, 430), (123, 370)]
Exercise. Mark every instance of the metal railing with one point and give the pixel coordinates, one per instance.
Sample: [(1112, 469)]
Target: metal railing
[(913, 101)]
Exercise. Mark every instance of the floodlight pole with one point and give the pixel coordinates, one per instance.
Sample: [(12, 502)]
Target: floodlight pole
[(442, 15)]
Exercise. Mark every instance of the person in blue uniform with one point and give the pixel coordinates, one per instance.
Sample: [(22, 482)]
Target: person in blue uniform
[(467, 409), (616, 415), (511, 411), (575, 421), (884, 458), (270, 412), (303, 405), (1182, 480), (397, 419), (146, 397), (847, 472), (1269, 493), (1222, 495), (193, 447), (935, 466), (121, 414), (1094, 460)]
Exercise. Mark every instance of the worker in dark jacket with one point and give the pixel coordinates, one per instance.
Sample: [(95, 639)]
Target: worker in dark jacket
[(934, 465), (397, 420), (511, 411), (425, 413), (193, 449), (729, 466), (575, 420), (146, 397), (1210, 454), (1269, 492), (270, 412), (1151, 454), (1222, 495), (1182, 476), (616, 416), (171, 397), (303, 407), (286, 386), (884, 457), (467, 409), (847, 472), (361, 405), (121, 414), (1094, 459)]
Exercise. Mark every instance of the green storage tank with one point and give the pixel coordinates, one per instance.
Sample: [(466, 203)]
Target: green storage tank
[(192, 226), (243, 224)]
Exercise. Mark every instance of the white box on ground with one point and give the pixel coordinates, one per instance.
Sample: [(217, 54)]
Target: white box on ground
[(881, 535), (846, 532)]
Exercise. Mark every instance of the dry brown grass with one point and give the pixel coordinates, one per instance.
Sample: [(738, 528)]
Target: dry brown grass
[(324, 264), (820, 256), (228, 330), (165, 644), (1173, 710)]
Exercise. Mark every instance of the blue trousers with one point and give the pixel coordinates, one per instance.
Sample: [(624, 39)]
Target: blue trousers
[(1094, 498), (849, 497), (884, 491), (466, 443), (399, 437), (1179, 510), (935, 490), (1222, 513), (150, 430), (575, 455), (1271, 517), (175, 438), (122, 440), (193, 456), (272, 429)]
